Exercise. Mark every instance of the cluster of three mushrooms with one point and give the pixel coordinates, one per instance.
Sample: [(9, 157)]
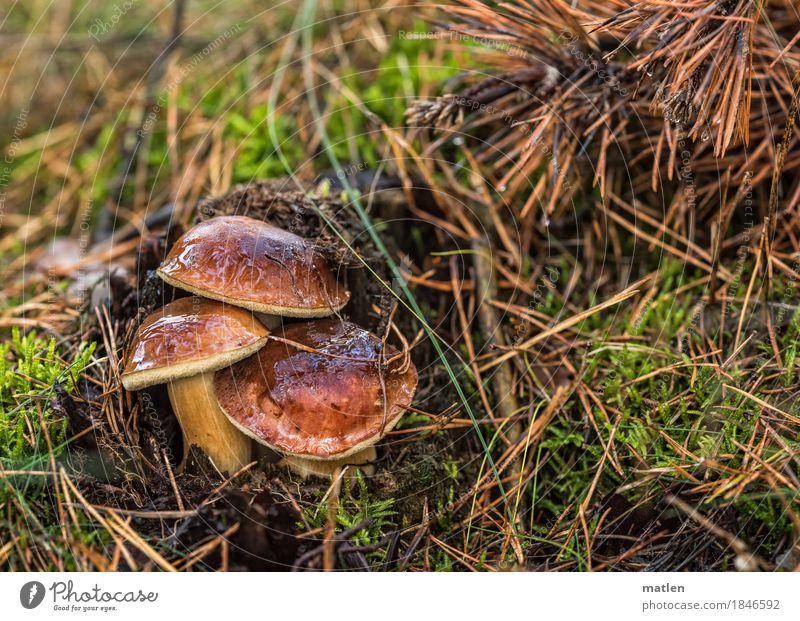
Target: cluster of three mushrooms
[(319, 392)]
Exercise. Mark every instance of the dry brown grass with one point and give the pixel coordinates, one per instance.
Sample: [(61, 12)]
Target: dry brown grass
[(622, 327)]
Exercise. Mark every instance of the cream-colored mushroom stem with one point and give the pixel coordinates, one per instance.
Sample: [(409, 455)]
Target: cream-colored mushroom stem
[(327, 467), (205, 425)]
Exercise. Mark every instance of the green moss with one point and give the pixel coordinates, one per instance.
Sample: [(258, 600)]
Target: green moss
[(355, 506), (30, 366), (656, 420), (258, 154)]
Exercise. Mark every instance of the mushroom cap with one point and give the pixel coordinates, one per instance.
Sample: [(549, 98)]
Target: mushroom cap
[(190, 336), (321, 404), (255, 265)]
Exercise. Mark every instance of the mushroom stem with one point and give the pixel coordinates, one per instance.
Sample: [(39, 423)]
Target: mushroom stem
[(327, 467), (205, 425)]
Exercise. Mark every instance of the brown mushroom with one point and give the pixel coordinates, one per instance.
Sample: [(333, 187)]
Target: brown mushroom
[(320, 393), (181, 345), (252, 264)]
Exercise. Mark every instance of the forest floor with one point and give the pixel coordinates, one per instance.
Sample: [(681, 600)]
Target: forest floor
[(596, 390)]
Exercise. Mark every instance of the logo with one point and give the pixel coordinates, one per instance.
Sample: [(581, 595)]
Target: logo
[(31, 594), (67, 598)]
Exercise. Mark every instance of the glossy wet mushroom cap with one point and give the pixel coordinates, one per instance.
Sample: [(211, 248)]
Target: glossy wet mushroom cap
[(189, 336), (323, 404), (254, 265), (181, 345)]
